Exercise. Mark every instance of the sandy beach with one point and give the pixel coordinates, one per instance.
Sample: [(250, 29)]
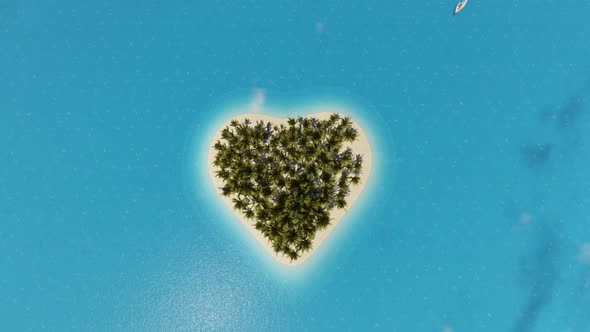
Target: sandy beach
[(360, 146)]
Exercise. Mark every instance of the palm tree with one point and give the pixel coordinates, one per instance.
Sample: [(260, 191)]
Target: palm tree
[(293, 255), (287, 178), (304, 244)]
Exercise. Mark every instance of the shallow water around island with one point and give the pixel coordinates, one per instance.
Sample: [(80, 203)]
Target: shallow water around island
[(475, 217)]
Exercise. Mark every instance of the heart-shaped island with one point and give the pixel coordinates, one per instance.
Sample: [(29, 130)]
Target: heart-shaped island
[(290, 181)]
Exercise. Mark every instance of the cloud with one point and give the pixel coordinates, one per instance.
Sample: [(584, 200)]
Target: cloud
[(584, 254), (257, 101), (525, 218), (320, 26)]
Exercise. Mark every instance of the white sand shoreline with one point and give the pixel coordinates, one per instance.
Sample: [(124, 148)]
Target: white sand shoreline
[(360, 146)]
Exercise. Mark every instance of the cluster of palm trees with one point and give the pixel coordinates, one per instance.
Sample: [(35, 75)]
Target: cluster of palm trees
[(287, 178)]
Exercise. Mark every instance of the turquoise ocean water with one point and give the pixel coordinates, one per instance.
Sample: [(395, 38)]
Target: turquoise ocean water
[(475, 217)]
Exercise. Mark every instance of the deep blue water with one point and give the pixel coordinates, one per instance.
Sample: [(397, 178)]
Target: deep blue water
[(473, 220)]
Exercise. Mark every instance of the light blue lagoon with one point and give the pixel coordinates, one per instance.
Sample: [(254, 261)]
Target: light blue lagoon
[(475, 217)]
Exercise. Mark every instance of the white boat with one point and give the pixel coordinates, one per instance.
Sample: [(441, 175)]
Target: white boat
[(460, 6)]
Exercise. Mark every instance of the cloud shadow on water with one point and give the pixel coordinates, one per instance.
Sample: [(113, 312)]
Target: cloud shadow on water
[(8, 11), (536, 155), (578, 311), (581, 310), (570, 113), (568, 117), (539, 275)]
